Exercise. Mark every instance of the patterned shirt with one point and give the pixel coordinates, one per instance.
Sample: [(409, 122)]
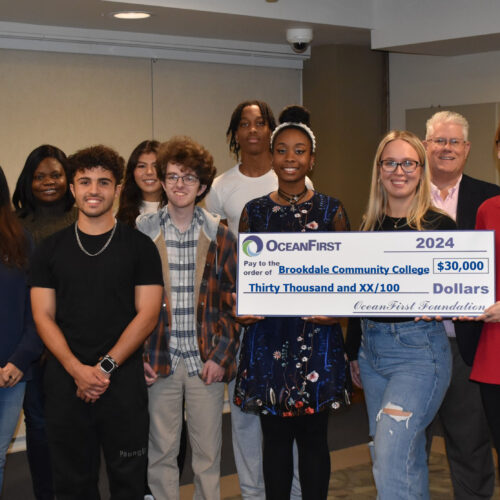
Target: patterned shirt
[(181, 249)]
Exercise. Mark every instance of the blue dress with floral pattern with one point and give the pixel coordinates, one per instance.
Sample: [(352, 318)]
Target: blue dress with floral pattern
[(287, 366)]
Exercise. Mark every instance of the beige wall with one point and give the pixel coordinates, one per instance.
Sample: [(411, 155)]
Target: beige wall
[(73, 101), (198, 99), (483, 120), (345, 90), (424, 81)]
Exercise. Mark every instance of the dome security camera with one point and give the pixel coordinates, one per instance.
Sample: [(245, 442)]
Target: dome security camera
[(299, 38)]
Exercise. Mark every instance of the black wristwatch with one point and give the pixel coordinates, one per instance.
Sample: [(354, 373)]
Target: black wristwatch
[(108, 364)]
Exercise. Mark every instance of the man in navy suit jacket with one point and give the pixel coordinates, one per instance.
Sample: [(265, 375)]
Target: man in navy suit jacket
[(466, 434)]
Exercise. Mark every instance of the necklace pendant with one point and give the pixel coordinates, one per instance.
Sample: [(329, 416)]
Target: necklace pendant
[(396, 223), (292, 199)]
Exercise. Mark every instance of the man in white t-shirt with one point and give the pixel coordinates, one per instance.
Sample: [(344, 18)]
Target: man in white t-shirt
[(249, 134)]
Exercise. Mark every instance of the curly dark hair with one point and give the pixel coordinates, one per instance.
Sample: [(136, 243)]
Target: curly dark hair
[(267, 114), (14, 245), (23, 198), (96, 156), (188, 153), (131, 195)]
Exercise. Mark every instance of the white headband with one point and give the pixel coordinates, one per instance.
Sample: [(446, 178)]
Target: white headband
[(302, 126)]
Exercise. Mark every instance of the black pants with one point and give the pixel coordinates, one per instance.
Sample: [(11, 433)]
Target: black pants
[(466, 435), (490, 395), (118, 422), (310, 432), (37, 446)]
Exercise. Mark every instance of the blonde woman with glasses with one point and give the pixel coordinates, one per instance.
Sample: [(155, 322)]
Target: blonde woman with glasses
[(404, 366)]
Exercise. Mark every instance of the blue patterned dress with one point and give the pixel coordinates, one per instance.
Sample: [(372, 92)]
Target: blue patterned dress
[(289, 367)]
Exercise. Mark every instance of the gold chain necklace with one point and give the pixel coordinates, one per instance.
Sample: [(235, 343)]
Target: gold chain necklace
[(396, 223)]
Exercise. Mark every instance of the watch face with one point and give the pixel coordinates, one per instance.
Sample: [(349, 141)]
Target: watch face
[(107, 365)]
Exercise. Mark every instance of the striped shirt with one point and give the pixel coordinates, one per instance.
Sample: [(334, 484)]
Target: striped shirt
[(181, 249)]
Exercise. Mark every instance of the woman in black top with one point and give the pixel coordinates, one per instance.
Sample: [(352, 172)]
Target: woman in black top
[(404, 366), (42, 198), (44, 205)]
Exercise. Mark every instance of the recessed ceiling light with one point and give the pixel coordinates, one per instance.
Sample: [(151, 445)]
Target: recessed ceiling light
[(131, 15)]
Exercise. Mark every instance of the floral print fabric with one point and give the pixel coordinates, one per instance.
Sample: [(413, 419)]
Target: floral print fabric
[(287, 366)]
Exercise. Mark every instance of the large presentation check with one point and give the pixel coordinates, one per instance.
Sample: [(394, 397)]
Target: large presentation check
[(432, 273)]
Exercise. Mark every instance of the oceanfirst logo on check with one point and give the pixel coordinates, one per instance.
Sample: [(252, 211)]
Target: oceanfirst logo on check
[(252, 246)]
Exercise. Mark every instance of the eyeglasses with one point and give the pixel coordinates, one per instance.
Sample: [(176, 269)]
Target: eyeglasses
[(390, 166), (188, 179), (442, 142)]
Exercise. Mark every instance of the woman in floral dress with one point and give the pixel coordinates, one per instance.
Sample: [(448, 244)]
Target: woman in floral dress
[(292, 369)]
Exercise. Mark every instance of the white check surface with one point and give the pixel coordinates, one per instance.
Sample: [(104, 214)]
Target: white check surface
[(445, 273)]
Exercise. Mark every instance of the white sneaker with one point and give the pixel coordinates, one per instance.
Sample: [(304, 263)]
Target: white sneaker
[(149, 497)]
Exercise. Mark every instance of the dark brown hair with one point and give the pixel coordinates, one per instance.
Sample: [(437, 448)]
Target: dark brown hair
[(191, 155), (14, 244), (131, 195), (96, 156)]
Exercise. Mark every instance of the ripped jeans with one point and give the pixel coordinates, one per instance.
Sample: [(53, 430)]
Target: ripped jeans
[(405, 369)]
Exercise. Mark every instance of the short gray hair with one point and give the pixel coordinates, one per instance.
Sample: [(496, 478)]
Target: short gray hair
[(447, 117)]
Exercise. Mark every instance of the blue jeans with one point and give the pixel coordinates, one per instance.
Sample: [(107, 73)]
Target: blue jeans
[(11, 401), (405, 369)]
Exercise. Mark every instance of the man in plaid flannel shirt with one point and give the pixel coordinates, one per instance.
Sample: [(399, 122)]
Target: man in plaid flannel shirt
[(192, 352)]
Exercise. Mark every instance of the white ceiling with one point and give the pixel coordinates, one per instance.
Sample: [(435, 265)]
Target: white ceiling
[(229, 27), (185, 22)]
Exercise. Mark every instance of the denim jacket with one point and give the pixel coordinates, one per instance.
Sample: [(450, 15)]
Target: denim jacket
[(215, 280)]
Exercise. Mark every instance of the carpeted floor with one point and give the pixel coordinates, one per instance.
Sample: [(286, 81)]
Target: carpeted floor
[(352, 478), (356, 482), (351, 469), (347, 427)]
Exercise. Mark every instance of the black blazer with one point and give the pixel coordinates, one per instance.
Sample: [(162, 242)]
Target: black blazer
[(471, 194)]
